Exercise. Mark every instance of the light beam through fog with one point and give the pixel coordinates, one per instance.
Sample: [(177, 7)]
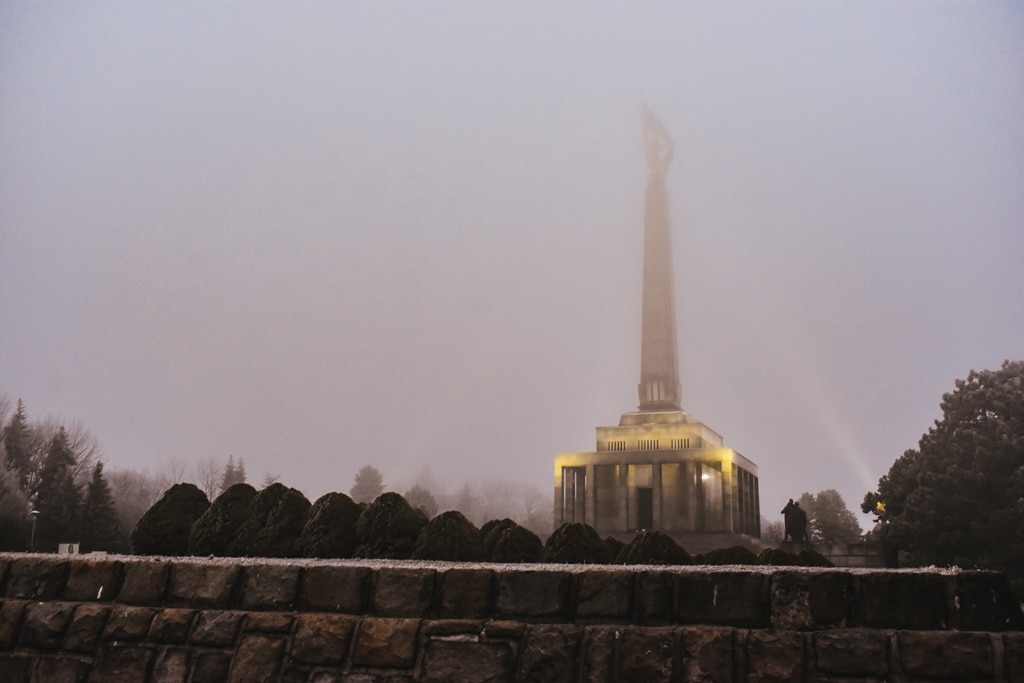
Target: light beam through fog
[(318, 236)]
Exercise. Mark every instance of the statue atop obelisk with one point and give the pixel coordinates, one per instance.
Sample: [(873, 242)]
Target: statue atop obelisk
[(659, 386)]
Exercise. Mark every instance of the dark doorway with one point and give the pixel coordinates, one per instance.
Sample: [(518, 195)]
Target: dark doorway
[(645, 508)]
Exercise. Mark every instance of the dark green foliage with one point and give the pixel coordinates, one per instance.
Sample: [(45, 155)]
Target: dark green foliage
[(812, 558), (330, 530), (388, 528), (218, 527), (653, 547), (449, 537), (778, 558), (614, 546), (15, 524), (828, 519), (736, 554), (275, 521), (100, 529), (165, 528), (958, 499), (491, 531), (513, 543), (17, 445), (576, 543), (58, 498)]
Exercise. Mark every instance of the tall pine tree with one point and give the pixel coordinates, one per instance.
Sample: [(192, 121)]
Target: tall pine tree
[(99, 519), (233, 474), (17, 445), (57, 499)]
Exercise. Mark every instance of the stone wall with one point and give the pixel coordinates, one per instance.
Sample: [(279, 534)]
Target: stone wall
[(191, 621)]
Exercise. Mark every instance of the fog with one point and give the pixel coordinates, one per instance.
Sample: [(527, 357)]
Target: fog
[(322, 235)]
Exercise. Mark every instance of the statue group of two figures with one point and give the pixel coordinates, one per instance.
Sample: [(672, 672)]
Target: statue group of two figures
[(796, 523)]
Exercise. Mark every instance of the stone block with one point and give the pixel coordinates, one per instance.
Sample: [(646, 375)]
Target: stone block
[(604, 596), (60, 670), (322, 638), (145, 583), (11, 612), (269, 622), (807, 601), (257, 660), (85, 628), (775, 656), (465, 593), (333, 589), (705, 653), (533, 595), (900, 600), (985, 602), (270, 586), (171, 625), (15, 669), (646, 654), (45, 623), (400, 592), (549, 653), (216, 628), (449, 627), (171, 666), (295, 674), (211, 667), (653, 597), (1013, 654), (94, 580), (501, 628), (461, 662), (203, 585), (946, 654), (386, 643), (128, 623), (123, 664), (852, 652), (723, 598), (598, 656), (35, 578)]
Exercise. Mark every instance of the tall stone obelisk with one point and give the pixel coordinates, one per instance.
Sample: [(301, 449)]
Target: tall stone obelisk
[(659, 386)]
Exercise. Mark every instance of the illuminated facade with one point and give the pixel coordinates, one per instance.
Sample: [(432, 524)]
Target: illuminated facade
[(660, 469)]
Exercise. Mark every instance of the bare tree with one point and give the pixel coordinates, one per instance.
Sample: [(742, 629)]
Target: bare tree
[(208, 475), (172, 472)]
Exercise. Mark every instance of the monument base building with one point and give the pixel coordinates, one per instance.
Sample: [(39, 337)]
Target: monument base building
[(660, 469)]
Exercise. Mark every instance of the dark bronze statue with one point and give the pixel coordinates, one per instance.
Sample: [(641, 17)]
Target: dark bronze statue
[(796, 523)]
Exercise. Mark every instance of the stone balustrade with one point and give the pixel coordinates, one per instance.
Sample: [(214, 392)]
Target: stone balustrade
[(192, 620)]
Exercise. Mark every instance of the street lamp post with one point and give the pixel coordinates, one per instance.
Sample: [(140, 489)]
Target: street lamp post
[(32, 540)]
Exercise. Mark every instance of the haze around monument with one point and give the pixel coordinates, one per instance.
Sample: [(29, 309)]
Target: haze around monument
[(318, 237)]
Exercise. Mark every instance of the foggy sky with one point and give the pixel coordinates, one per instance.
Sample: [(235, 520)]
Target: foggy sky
[(322, 235)]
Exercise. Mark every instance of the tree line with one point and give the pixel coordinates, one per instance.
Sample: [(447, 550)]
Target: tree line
[(54, 488)]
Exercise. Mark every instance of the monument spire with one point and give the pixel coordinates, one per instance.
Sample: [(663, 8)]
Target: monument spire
[(659, 386)]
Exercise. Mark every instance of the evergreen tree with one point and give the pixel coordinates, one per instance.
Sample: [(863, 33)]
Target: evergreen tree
[(99, 518), (422, 499), (233, 474), (368, 485), (828, 518), (57, 498), (14, 520), (958, 498), (18, 445)]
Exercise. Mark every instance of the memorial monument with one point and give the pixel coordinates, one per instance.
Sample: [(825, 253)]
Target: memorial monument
[(660, 468)]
